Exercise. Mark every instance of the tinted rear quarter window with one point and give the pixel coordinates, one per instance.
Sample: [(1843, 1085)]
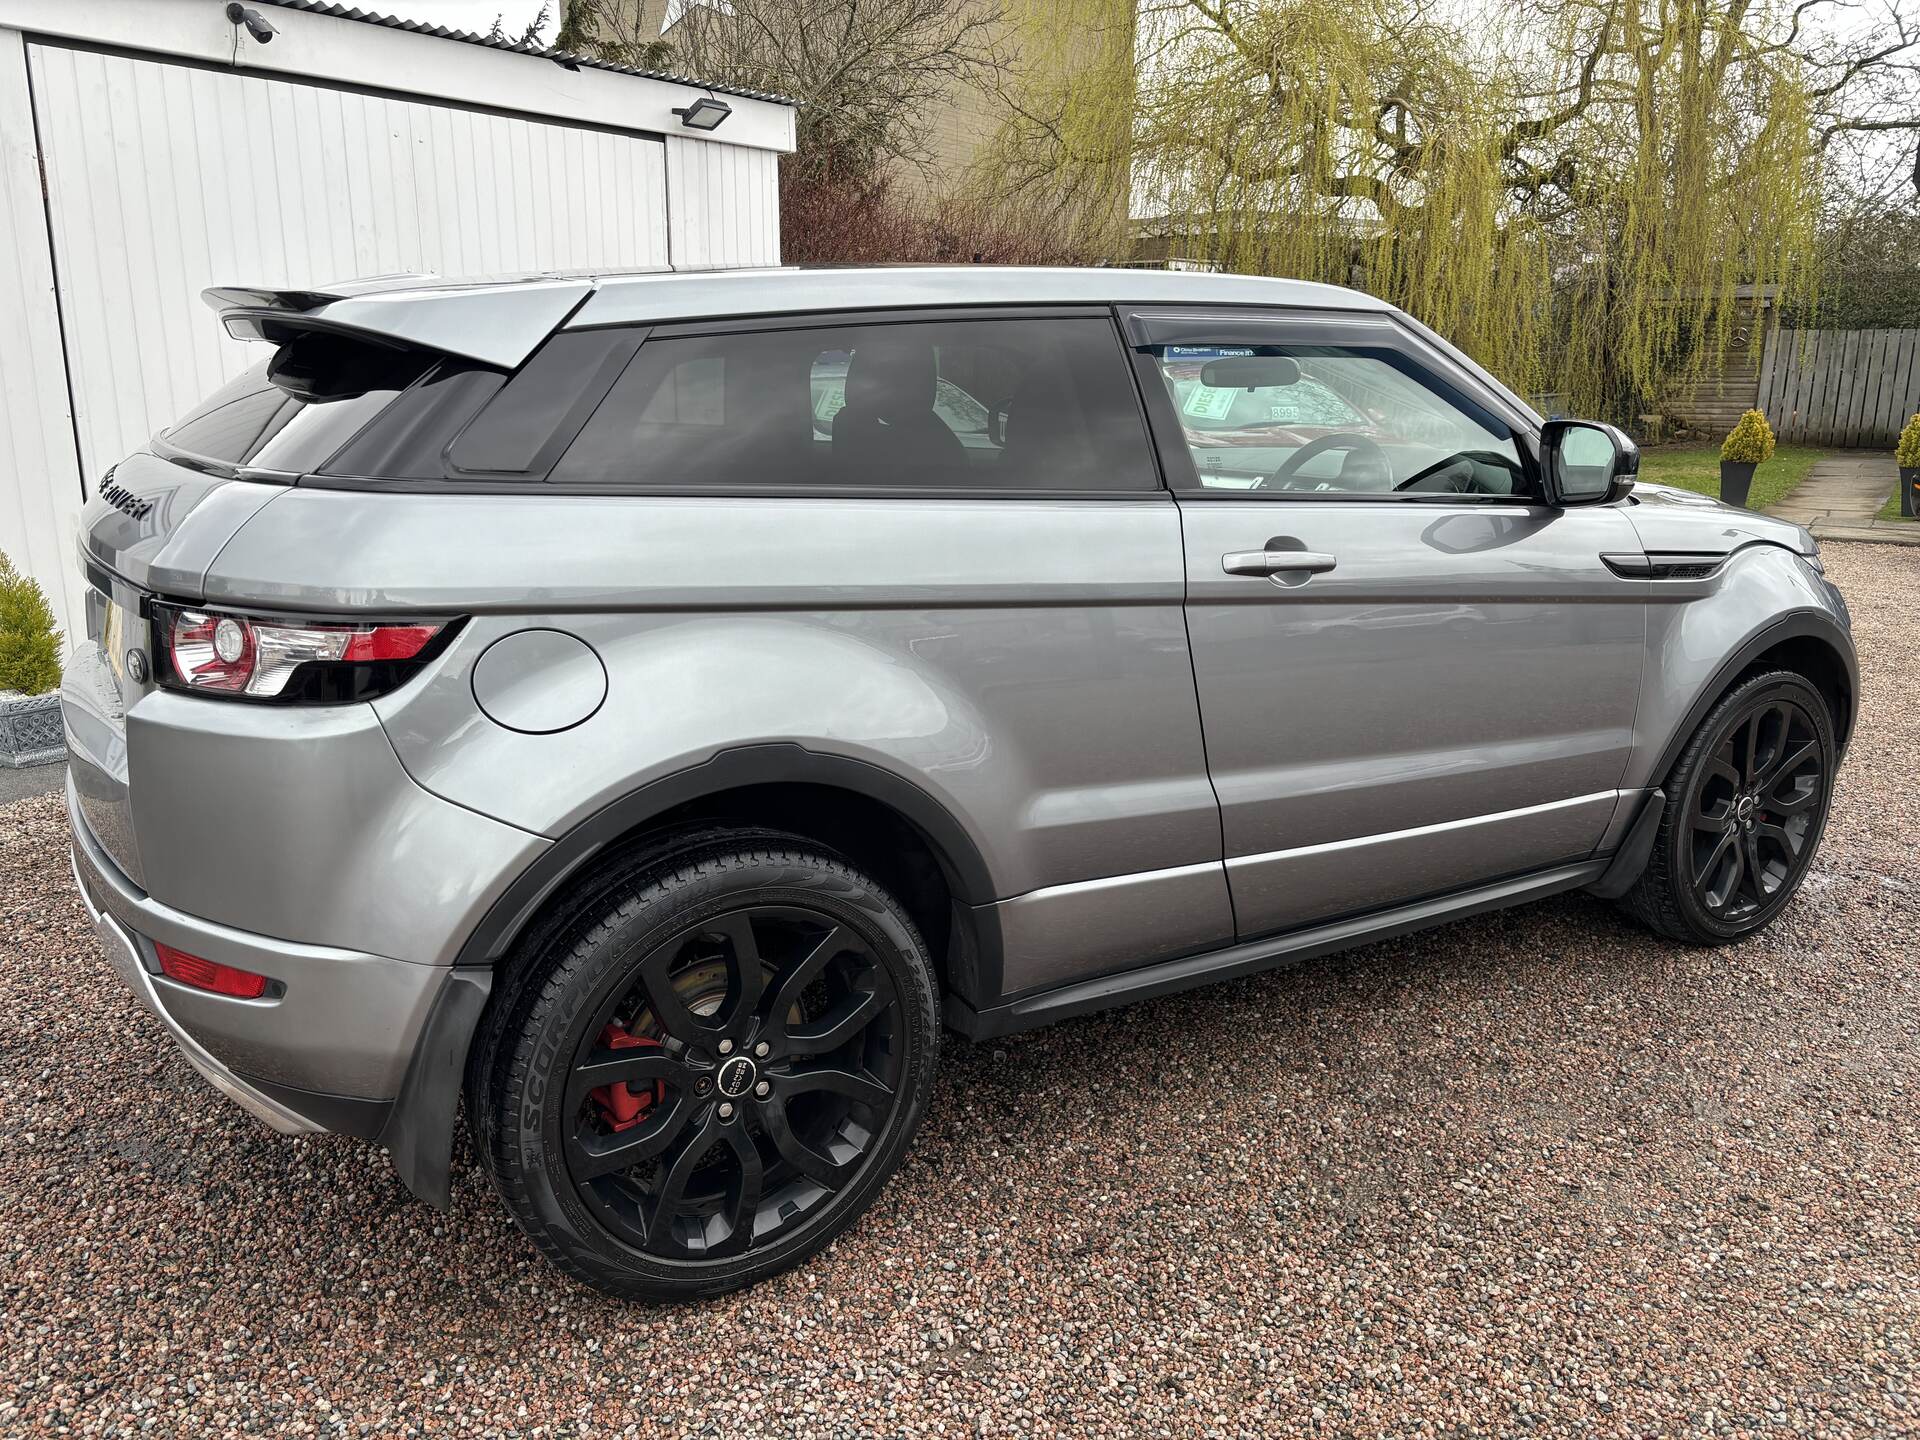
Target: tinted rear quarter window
[(1040, 405), (545, 399), (252, 421)]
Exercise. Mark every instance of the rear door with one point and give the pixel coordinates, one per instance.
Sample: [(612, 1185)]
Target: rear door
[(1441, 690)]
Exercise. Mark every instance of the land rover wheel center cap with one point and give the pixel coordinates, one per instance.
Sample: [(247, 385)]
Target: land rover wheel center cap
[(736, 1077)]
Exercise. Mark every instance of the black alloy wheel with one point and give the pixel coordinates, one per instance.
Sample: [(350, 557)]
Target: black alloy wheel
[(760, 1041), (1756, 808), (708, 1067), (1747, 803)]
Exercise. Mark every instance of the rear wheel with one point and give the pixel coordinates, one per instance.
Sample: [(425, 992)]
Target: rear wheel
[(710, 1073), (1746, 806)]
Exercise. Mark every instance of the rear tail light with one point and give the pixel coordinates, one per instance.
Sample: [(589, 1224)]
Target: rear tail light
[(275, 658), (209, 974)]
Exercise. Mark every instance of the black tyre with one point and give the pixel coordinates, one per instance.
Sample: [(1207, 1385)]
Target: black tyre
[(1746, 805), (709, 1069)]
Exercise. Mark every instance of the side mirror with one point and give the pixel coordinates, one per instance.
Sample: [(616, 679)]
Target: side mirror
[(1584, 462)]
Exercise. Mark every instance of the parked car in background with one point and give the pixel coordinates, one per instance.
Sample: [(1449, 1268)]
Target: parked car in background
[(655, 707)]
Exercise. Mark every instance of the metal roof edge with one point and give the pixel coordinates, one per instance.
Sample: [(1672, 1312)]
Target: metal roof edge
[(567, 58)]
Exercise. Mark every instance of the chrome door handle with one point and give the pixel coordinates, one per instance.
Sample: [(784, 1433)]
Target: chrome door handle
[(1275, 562)]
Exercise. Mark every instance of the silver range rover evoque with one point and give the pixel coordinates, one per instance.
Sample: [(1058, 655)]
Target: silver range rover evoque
[(656, 707)]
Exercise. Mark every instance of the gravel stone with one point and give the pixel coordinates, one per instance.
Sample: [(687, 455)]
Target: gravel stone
[(1535, 1173)]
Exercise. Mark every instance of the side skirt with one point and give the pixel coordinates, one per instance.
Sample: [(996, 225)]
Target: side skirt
[(1170, 976)]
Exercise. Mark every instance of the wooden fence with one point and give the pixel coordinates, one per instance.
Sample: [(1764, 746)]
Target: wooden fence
[(1840, 387)]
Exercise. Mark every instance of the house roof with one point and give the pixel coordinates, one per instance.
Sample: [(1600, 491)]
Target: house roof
[(538, 52)]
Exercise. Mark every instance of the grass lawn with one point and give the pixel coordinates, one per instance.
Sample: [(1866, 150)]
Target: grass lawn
[(1891, 510), (1697, 467)]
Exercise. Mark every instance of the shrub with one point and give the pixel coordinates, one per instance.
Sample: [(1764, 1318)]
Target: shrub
[(1750, 442), (1906, 454), (29, 645)]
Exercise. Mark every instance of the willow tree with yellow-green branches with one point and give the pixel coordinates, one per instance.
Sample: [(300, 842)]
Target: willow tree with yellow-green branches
[(1583, 194)]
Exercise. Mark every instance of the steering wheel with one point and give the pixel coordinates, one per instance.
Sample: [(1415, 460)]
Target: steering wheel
[(1359, 445), (1472, 484)]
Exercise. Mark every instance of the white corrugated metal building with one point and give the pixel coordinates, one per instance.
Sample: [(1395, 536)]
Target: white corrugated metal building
[(152, 148)]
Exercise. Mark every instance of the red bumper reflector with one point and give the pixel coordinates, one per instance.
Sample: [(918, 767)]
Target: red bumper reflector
[(209, 974)]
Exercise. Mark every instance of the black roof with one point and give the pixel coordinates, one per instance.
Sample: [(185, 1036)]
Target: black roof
[(538, 52)]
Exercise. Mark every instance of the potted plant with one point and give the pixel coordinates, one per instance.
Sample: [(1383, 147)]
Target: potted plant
[(1906, 455), (1749, 444), (30, 729)]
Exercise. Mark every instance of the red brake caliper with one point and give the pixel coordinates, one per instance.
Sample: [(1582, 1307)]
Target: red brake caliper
[(624, 1106)]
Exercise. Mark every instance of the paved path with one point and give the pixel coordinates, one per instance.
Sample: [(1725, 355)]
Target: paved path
[(1841, 498)]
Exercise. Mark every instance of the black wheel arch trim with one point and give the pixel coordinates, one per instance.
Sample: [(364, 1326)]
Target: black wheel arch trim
[(774, 763), (418, 1131), (1798, 625)]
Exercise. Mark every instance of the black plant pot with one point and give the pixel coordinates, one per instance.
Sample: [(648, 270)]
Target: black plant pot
[(1736, 480), (1910, 491)]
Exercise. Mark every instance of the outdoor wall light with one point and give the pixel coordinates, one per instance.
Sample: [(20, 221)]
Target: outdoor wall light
[(705, 113), (255, 22)]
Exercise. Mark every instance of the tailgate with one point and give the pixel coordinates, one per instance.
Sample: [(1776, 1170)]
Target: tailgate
[(153, 528)]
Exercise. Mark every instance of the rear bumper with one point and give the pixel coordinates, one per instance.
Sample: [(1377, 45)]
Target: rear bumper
[(329, 1052), (123, 951)]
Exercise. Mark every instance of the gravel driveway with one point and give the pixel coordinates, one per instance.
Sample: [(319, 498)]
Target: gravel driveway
[(1535, 1173)]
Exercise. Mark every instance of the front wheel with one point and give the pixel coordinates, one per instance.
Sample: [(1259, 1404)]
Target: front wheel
[(711, 1072), (1747, 803)]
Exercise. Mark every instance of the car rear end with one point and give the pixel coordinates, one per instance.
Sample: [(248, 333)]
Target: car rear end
[(261, 869)]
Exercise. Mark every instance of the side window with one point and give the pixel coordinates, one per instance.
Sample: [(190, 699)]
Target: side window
[(252, 421), (531, 410), (997, 405), (1332, 419)]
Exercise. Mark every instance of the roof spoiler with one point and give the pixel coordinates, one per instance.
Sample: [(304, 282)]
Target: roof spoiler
[(498, 325)]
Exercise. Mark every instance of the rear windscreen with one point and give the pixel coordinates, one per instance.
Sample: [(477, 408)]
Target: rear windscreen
[(252, 421)]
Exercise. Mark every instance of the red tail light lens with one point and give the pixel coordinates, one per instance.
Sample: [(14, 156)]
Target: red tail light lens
[(209, 974), (274, 658)]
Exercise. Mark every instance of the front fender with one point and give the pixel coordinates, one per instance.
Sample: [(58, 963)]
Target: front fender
[(1701, 634)]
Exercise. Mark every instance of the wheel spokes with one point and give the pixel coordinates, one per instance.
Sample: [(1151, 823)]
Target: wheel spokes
[(1720, 877), (613, 1066), (592, 1156), (1713, 824), (744, 971), (1756, 876), (656, 978), (863, 1089), (741, 1206), (670, 1199), (795, 979), (1795, 803), (1727, 843), (1750, 764), (797, 1153), (830, 1032), (1783, 768)]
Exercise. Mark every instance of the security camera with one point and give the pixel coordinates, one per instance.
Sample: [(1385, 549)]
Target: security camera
[(255, 22)]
